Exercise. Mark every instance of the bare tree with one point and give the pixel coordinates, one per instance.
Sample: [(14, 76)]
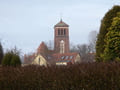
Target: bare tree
[(82, 49), (92, 41), (73, 48), (50, 44)]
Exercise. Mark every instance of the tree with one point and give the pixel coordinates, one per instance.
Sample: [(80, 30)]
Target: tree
[(7, 59), (73, 48), (105, 25), (112, 47), (1, 53), (50, 44), (92, 41), (83, 49), (15, 60), (11, 58)]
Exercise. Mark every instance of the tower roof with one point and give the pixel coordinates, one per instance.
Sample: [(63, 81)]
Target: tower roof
[(61, 24)]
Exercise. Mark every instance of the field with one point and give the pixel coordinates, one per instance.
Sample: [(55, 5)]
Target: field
[(85, 76)]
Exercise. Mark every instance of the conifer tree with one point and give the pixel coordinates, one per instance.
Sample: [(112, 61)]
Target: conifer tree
[(11, 58), (15, 60), (112, 47), (105, 25), (7, 59), (1, 53)]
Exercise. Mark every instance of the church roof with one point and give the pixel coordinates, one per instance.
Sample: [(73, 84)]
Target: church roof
[(65, 57), (61, 24), (42, 48)]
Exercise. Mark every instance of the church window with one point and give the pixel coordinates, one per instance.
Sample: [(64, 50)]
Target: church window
[(62, 46), (58, 31), (64, 31), (61, 31)]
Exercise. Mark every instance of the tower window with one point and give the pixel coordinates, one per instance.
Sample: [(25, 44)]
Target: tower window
[(64, 31), (62, 46), (58, 31), (61, 31)]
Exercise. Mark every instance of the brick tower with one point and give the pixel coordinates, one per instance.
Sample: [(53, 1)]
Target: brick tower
[(61, 37)]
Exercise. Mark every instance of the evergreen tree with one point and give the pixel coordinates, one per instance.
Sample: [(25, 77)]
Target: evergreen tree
[(112, 47), (7, 59), (11, 58), (15, 60), (105, 25), (1, 53)]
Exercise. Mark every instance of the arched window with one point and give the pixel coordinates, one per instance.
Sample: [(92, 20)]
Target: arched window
[(62, 46)]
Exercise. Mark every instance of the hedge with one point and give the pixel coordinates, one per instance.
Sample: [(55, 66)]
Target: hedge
[(86, 76)]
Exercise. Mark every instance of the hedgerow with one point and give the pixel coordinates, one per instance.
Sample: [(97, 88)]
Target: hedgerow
[(86, 76)]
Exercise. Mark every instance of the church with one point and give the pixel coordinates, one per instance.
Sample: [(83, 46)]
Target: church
[(61, 54)]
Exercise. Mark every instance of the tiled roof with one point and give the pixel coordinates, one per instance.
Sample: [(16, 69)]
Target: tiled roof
[(61, 24), (29, 58), (65, 57), (42, 48)]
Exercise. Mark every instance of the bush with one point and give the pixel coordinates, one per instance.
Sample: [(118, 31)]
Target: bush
[(91, 76)]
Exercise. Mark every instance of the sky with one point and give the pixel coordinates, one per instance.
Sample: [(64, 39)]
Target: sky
[(26, 23)]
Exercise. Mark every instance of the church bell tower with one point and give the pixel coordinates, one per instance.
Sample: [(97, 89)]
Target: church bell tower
[(61, 37)]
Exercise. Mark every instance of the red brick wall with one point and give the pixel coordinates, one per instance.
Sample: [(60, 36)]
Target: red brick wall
[(58, 38)]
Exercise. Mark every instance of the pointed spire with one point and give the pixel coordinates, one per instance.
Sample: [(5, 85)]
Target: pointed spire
[(61, 20), (60, 17)]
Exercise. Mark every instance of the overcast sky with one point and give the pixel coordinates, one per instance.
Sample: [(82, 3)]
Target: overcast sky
[(25, 23)]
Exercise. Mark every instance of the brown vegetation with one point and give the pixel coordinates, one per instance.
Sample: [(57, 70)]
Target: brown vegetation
[(90, 76)]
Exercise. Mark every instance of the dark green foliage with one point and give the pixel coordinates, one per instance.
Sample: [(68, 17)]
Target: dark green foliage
[(11, 59), (112, 47), (1, 53), (15, 61), (92, 76), (105, 25), (7, 59)]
